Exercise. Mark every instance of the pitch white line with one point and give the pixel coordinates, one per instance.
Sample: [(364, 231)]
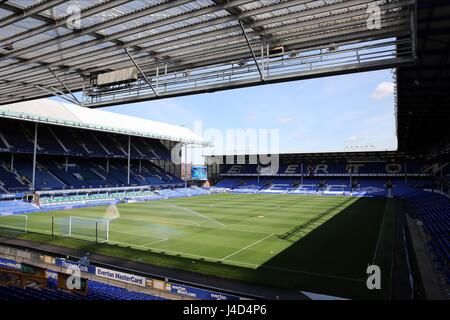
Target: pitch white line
[(242, 249), (138, 246), (153, 242), (183, 254), (375, 252), (237, 262)]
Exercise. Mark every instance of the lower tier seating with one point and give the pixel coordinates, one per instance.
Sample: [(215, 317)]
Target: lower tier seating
[(96, 291), (434, 211), (360, 186)]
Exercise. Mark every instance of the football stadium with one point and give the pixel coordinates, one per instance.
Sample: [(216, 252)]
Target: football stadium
[(104, 205)]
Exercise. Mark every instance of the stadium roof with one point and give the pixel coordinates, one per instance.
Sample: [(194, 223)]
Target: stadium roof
[(423, 109), (182, 47), (49, 111), (374, 156)]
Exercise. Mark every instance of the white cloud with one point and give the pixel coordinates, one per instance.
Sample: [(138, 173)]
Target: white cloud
[(383, 90), (285, 119)]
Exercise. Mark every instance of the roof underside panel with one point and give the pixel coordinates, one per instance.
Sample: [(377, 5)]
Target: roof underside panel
[(186, 47), (423, 96)]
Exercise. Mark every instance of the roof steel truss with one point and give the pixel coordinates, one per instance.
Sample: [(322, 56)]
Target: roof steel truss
[(184, 47)]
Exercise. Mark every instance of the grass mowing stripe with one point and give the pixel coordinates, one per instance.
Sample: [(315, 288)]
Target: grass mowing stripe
[(311, 221), (197, 213), (329, 257), (192, 224), (299, 271), (145, 245)]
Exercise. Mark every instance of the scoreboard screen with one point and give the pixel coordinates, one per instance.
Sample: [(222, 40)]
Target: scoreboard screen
[(199, 173)]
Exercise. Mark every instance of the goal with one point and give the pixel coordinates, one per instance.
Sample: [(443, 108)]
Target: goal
[(87, 228)]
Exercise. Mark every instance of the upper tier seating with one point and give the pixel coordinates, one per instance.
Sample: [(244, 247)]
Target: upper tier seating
[(44, 179), (324, 168), (56, 140)]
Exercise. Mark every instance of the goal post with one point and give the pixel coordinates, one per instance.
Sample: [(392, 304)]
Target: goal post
[(88, 228)]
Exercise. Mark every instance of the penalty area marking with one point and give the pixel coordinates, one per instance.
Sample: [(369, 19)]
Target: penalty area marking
[(139, 246), (163, 251), (245, 248), (153, 242)]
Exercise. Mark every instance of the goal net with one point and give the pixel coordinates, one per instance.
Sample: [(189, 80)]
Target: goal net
[(85, 228)]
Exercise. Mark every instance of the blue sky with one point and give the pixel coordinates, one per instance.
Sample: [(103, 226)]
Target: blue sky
[(341, 113), (325, 114)]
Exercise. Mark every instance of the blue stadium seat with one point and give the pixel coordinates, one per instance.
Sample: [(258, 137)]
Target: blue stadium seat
[(434, 211), (96, 291)]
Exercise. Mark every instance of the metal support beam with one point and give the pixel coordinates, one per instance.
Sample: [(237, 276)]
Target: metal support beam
[(414, 29), (185, 165), (350, 177), (76, 68), (97, 27), (301, 173), (65, 87), (33, 179), (90, 11), (129, 160), (212, 44), (57, 93), (141, 72), (258, 169), (29, 12), (251, 49)]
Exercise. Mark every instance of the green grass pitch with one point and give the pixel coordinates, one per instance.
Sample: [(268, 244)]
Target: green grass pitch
[(314, 243)]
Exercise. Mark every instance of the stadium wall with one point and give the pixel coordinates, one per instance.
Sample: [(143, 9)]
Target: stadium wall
[(13, 257)]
